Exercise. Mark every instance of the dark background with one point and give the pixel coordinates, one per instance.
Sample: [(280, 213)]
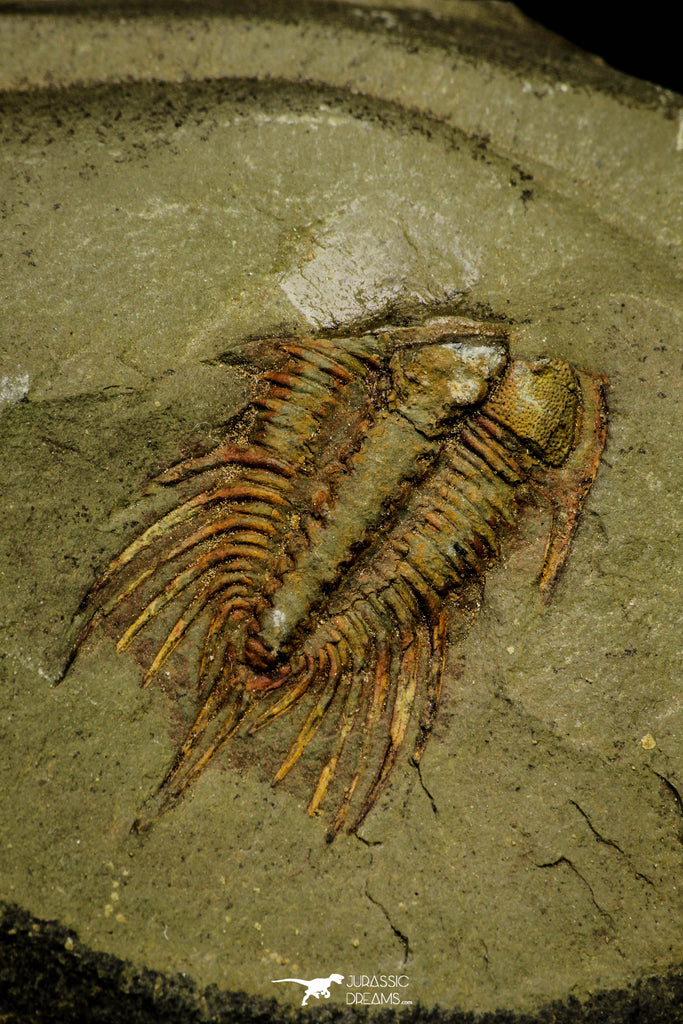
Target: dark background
[(642, 40)]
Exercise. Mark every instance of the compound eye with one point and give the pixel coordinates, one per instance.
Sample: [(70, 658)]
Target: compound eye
[(540, 403)]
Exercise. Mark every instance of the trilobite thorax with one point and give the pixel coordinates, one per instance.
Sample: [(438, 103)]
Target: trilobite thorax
[(316, 563)]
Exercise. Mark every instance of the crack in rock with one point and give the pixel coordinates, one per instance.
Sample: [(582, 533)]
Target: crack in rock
[(565, 860), (673, 793), (402, 938), (418, 768), (368, 842), (610, 842)]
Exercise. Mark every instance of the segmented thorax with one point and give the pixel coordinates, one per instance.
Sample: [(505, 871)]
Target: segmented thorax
[(431, 387)]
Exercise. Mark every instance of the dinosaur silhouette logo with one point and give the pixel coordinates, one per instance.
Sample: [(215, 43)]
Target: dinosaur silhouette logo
[(317, 987)]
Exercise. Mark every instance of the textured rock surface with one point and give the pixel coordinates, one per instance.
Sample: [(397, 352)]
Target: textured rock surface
[(173, 184)]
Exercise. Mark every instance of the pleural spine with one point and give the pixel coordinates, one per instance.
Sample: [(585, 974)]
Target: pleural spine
[(319, 558)]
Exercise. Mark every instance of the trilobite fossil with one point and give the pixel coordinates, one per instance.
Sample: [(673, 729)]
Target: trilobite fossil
[(308, 572)]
